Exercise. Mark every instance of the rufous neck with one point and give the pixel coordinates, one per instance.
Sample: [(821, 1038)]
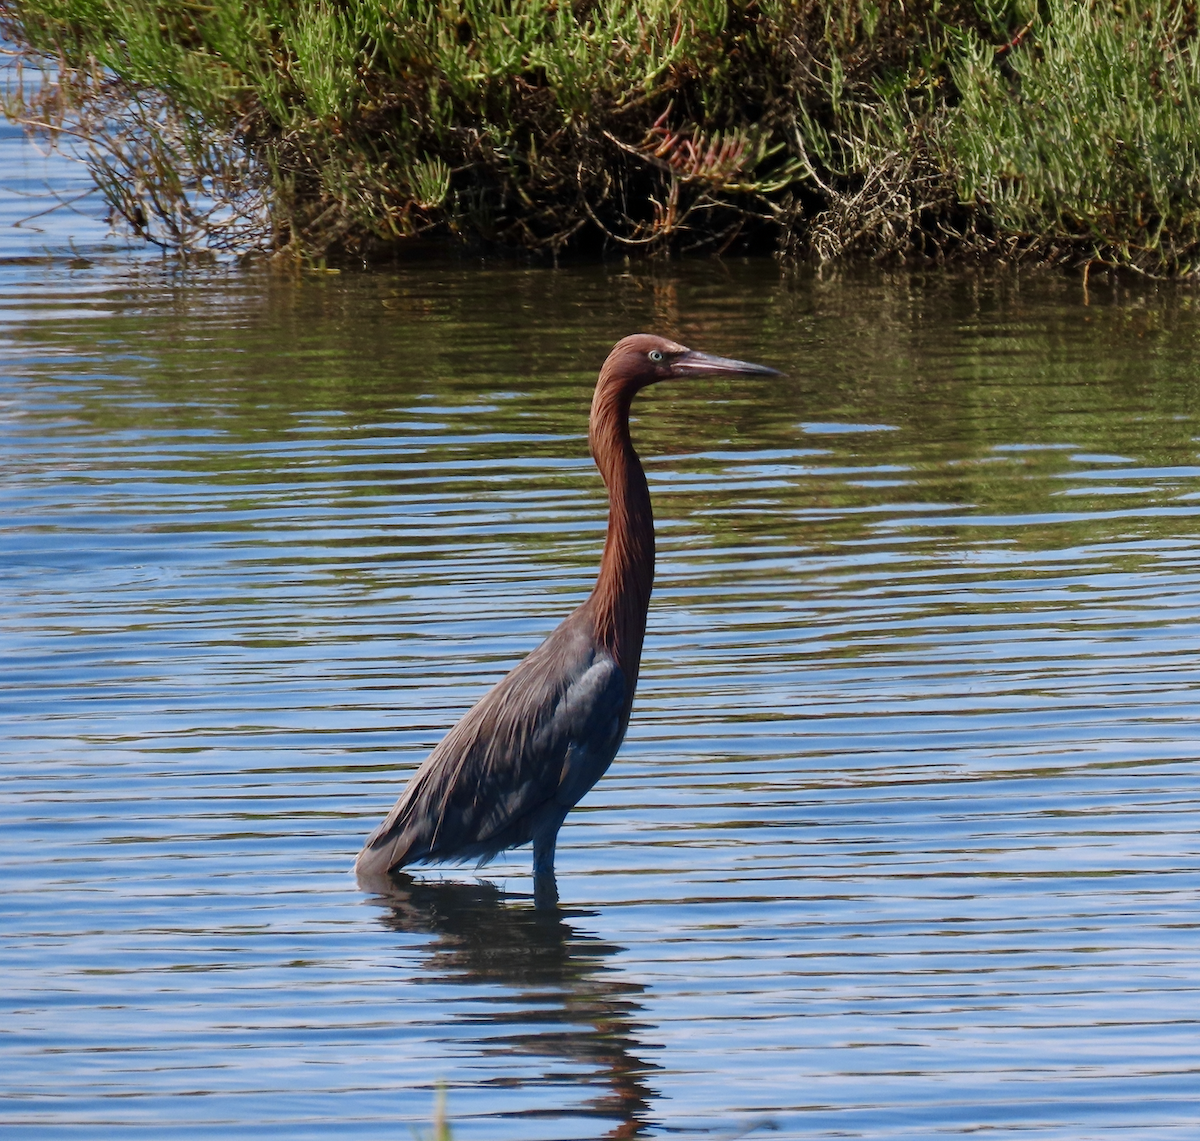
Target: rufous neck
[(622, 593)]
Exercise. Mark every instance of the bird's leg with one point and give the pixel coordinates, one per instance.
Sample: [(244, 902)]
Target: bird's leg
[(545, 890), (545, 886), (543, 852)]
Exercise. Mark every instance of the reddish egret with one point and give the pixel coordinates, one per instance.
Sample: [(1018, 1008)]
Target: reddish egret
[(525, 754)]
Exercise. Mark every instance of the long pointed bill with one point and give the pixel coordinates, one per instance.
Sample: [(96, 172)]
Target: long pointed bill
[(702, 364)]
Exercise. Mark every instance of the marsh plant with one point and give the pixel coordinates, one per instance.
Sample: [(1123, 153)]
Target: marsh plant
[(293, 128)]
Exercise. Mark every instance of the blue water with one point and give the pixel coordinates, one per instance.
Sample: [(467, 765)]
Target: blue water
[(902, 842)]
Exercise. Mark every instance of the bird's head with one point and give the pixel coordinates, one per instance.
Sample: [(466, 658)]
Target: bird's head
[(645, 359)]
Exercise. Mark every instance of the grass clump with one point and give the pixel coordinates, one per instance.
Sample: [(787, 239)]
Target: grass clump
[(1088, 141), (820, 128), (359, 124)]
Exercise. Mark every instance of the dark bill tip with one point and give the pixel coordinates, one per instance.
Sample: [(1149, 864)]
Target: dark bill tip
[(703, 364)]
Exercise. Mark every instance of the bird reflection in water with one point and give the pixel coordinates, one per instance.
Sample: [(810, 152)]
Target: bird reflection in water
[(557, 973)]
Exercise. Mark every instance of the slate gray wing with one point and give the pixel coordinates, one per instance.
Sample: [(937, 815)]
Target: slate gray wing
[(518, 760)]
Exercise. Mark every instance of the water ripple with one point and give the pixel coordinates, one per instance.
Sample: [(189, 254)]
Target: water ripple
[(903, 841)]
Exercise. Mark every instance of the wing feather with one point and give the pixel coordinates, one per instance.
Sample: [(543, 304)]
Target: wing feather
[(519, 758)]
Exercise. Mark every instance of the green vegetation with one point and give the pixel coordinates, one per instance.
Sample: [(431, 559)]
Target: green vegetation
[(1040, 129)]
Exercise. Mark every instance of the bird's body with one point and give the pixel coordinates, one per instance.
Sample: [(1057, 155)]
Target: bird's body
[(534, 763), (533, 745)]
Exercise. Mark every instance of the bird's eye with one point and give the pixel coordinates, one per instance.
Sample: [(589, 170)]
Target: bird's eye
[(654, 355)]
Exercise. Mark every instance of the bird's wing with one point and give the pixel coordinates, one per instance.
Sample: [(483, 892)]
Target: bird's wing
[(527, 750)]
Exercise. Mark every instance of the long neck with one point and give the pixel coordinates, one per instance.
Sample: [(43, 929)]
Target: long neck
[(622, 594)]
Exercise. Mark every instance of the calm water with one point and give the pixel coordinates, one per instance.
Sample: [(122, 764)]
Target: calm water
[(903, 842)]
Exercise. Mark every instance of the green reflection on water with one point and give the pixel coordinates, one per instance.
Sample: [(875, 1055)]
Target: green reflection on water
[(994, 387)]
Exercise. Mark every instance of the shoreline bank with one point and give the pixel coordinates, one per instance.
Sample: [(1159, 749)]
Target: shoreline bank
[(993, 130)]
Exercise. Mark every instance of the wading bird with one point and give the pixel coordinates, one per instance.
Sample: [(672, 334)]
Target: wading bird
[(525, 754)]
